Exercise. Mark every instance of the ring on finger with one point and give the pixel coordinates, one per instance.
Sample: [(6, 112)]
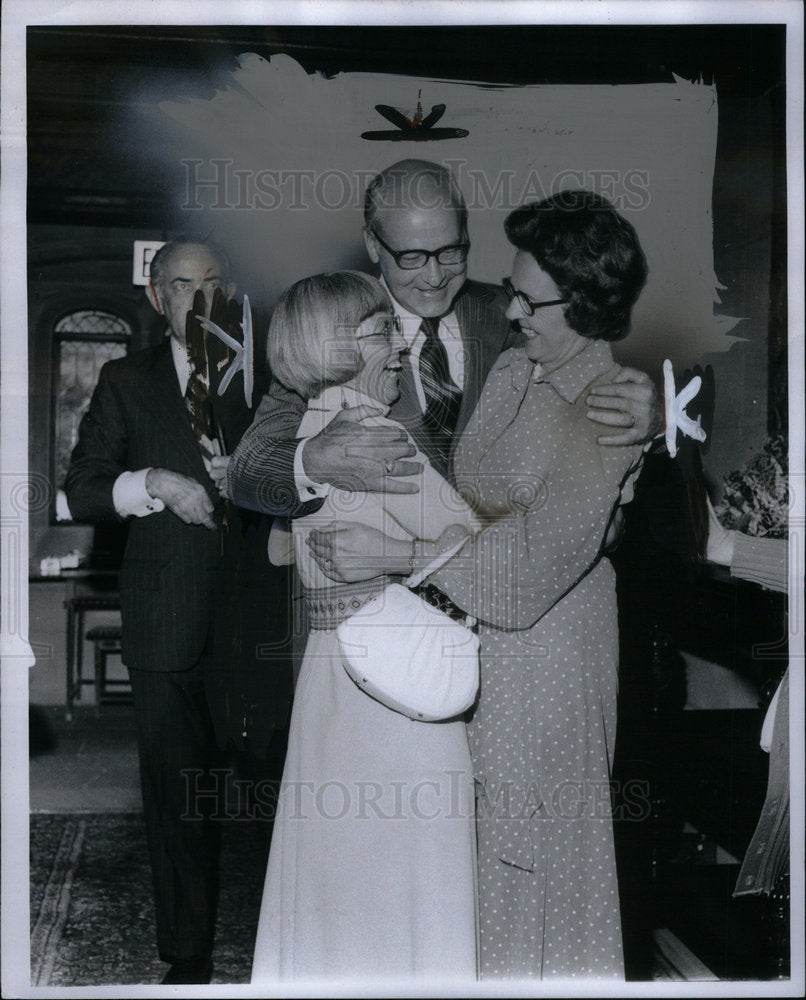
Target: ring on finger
[(389, 465)]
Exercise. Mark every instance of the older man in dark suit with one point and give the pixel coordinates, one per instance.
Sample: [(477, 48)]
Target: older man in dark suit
[(416, 232), (150, 450)]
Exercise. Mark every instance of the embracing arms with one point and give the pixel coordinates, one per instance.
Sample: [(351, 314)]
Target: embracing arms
[(631, 402), (273, 472), (517, 568)]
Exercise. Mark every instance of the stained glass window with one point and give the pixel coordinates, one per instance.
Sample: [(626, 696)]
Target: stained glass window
[(92, 323), (84, 340)]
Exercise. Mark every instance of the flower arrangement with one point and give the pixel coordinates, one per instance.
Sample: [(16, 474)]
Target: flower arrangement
[(756, 497)]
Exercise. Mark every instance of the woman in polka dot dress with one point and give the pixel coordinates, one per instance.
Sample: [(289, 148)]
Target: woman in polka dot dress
[(543, 732)]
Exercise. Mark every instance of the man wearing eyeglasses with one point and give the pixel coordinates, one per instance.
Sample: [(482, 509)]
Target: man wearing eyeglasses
[(416, 232)]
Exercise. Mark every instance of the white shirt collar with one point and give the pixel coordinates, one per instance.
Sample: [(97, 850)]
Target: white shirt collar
[(181, 363), (410, 322)]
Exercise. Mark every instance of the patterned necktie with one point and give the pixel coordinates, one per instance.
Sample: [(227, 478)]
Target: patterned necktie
[(442, 395), (197, 400)]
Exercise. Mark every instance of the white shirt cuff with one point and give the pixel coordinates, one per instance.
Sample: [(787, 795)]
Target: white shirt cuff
[(306, 488), (130, 496)]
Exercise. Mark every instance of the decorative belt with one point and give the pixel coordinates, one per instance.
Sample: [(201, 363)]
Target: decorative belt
[(329, 606), (433, 595)]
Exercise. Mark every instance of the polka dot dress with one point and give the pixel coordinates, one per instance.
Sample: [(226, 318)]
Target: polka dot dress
[(543, 734)]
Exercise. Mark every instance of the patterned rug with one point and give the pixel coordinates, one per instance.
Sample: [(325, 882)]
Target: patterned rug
[(92, 913)]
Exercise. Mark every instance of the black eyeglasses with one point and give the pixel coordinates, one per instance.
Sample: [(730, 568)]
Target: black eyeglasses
[(387, 329), (411, 260), (528, 305)]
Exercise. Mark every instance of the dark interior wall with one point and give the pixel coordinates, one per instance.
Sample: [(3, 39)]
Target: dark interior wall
[(750, 262)]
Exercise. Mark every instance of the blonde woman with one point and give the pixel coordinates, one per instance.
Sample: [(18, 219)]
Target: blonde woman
[(371, 872)]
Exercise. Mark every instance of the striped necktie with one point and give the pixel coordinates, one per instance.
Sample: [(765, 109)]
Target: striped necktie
[(197, 400), (442, 395)]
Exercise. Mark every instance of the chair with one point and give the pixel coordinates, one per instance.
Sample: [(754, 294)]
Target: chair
[(106, 640), (91, 591)]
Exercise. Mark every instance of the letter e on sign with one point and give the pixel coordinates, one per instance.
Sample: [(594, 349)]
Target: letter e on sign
[(144, 251)]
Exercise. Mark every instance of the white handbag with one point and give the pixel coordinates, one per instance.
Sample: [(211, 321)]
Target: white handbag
[(410, 656)]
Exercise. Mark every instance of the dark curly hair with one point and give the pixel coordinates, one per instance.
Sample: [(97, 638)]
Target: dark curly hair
[(592, 254)]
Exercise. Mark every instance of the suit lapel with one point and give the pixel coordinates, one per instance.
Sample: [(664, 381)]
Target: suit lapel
[(480, 324)]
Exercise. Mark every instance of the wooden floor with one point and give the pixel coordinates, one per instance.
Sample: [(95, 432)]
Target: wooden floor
[(87, 765), (675, 962)]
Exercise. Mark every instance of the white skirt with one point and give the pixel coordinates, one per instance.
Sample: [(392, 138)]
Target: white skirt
[(372, 869)]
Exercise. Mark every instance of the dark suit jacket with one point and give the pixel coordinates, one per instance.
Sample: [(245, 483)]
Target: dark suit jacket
[(168, 582), (262, 469)]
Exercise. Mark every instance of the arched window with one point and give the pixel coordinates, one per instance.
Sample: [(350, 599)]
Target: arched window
[(84, 340)]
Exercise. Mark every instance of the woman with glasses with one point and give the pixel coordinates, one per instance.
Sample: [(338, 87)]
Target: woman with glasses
[(543, 732), (371, 872)]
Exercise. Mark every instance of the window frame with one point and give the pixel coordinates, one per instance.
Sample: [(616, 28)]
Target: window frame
[(57, 338)]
